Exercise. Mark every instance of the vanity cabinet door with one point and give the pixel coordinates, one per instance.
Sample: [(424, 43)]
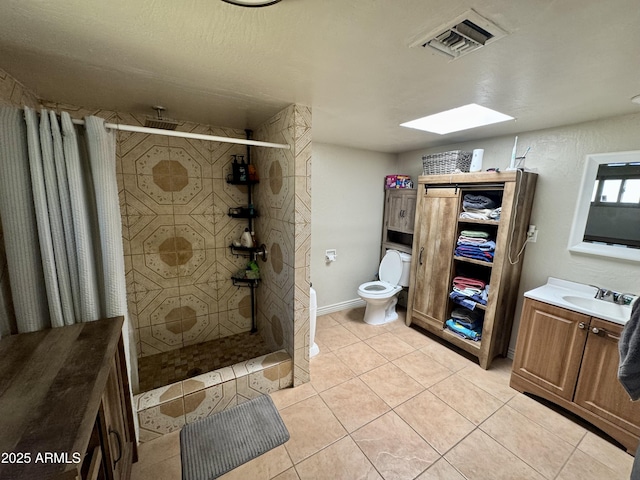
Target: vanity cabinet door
[(401, 209), (598, 388), (409, 211), (431, 260), (550, 345), (395, 207), (116, 439)]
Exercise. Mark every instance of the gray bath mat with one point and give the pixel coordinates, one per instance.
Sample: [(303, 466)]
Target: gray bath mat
[(214, 445)]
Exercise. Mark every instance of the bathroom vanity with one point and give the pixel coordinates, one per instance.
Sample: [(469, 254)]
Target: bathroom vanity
[(65, 407), (435, 263), (567, 353)]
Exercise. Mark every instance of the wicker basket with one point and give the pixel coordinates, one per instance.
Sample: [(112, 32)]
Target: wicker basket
[(446, 162)]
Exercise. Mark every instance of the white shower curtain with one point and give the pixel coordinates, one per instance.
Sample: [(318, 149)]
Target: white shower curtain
[(60, 219)]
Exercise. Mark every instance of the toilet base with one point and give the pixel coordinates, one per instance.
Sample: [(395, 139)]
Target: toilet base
[(314, 350), (379, 313)]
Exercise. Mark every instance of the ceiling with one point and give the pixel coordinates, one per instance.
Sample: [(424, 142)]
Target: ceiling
[(206, 61)]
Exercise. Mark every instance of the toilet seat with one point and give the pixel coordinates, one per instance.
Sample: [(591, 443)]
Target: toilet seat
[(381, 296), (390, 269), (378, 289)]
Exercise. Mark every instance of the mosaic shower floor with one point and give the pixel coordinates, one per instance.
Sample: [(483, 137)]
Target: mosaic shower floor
[(176, 365)]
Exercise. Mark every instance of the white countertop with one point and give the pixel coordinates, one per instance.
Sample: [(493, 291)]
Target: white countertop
[(579, 298)]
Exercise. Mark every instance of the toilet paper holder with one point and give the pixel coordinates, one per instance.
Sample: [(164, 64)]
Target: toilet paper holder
[(330, 255)]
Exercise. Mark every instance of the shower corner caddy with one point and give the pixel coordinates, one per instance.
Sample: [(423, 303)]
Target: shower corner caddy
[(240, 278)]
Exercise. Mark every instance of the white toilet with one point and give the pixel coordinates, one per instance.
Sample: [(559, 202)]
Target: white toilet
[(382, 295)]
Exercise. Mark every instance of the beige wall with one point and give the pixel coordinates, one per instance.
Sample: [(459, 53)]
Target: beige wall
[(348, 199), (558, 154), (284, 226)]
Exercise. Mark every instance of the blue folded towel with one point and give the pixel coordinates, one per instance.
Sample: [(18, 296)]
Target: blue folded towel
[(463, 331)]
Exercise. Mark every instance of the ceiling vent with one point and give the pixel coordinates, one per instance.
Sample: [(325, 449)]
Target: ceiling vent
[(463, 35)]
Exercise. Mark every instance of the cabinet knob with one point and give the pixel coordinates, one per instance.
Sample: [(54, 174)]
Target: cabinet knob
[(582, 326)]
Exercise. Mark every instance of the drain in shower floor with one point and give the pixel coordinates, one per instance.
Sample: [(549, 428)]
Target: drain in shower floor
[(194, 372)]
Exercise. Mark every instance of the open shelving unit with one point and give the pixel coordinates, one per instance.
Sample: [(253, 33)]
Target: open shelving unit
[(435, 264)]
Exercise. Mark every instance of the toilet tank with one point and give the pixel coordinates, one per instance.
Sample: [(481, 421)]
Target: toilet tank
[(406, 269)]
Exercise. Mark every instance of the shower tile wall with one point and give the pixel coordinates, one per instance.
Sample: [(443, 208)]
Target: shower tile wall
[(175, 201), (14, 94), (285, 228)]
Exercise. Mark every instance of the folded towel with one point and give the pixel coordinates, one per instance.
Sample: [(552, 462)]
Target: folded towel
[(476, 213), (477, 201), (465, 315), (458, 295), (463, 282), (477, 242), (462, 300), (463, 331), (474, 252), (470, 241), (474, 234)]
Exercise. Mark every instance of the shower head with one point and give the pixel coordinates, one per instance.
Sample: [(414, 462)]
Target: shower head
[(159, 121)]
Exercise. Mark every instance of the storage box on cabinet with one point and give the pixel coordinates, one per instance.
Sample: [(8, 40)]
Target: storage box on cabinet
[(436, 262)]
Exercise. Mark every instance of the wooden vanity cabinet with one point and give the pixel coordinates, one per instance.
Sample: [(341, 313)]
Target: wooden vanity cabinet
[(549, 347), (65, 407), (572, 360)]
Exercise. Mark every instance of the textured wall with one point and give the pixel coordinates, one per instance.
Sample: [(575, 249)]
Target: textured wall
[(558, 154), (350, 221), (175, 201), (284, 199)]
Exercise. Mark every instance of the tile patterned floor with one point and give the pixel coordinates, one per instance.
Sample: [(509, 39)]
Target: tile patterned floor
[(176, 365), (386, 402)]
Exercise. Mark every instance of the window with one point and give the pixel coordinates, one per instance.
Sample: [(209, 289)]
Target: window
[(614, 213), (606, 221)]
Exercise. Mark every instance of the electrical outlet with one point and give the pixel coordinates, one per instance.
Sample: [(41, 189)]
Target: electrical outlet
[(532, 234)]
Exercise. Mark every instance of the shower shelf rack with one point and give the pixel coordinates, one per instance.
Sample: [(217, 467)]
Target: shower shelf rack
[(244, 281), (242, 212), (249, 213)]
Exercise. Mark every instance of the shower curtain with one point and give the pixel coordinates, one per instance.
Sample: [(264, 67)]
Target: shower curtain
[(60, 221)]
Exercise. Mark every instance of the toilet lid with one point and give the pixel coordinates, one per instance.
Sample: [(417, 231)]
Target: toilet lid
[(390, 269)]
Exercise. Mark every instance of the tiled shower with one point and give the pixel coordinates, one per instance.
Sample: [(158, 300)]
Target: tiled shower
[(176, 235)]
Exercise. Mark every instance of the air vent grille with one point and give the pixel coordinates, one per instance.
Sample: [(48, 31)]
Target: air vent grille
[(465, 34)]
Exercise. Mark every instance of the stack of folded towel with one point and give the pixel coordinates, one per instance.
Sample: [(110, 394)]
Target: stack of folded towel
[(479, 207), (469, 291), (475, 244), (466, 323)]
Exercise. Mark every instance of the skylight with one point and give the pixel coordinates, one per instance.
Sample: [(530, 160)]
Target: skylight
[(457, 119)]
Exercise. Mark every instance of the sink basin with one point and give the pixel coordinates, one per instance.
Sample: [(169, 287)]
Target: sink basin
[(599, 307), (579, 298)]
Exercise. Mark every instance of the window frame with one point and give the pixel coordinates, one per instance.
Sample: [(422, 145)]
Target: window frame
[(576, 237)]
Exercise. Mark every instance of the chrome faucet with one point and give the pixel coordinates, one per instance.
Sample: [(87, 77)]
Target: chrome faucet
[(623, 298), (603, 293)]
